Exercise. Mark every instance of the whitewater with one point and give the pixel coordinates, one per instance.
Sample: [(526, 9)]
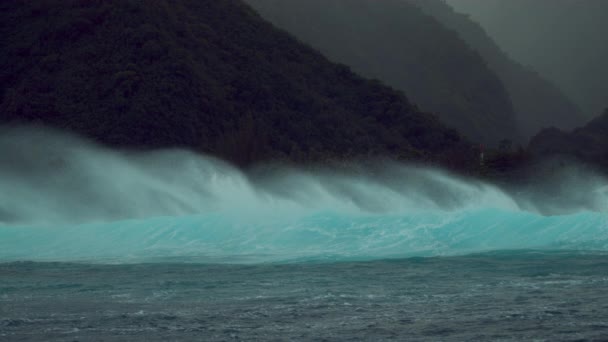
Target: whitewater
[(100, 244), (66, 199)]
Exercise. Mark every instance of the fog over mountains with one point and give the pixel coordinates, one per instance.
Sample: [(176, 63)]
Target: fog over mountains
[(538, 103), (441, 59), (397, 43), (303, 170), (309, 81), (564, 40)]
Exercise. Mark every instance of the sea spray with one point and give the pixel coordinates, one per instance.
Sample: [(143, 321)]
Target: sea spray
[(66, 199)]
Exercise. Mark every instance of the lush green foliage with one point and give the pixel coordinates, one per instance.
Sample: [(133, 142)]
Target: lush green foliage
[(396, 42), (210, 75), (538, 103)]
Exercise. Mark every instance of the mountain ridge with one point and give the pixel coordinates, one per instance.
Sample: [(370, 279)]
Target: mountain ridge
[(382, 40), (561, 39), (587, 143), (538, 103), (210, 76)]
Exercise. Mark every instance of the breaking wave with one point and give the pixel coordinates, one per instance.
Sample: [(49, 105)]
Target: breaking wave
[(65, 199)]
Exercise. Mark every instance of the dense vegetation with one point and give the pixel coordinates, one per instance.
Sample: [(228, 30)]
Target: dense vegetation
[(396, 42), (538, 103), (209, 75), (564, 40), (587, 143)]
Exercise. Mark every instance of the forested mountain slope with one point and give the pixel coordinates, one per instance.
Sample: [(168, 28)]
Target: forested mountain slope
[(564, 40), (588, 143), (537, 102), (209, 75), (395, 42)]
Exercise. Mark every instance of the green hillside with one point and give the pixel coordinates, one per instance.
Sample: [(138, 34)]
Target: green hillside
[(209, 75), (395, 42)]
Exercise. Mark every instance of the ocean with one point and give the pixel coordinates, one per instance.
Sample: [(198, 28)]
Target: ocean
[(100, 245), (498, 296)]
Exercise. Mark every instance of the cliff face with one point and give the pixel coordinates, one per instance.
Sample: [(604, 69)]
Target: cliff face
[(538, 103), (208, 75), (588, 143), (395, 42)]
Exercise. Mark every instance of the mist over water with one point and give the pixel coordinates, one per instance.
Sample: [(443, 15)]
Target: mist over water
[(65, 199)]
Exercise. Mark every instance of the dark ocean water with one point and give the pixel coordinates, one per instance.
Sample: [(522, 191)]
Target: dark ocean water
[(103, 245), (499, 296)]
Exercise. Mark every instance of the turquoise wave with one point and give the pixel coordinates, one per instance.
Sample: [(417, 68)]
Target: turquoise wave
[(320, 236), (66, 199)]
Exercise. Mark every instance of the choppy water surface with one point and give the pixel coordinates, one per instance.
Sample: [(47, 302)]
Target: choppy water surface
[(523, 295), (106, 245)]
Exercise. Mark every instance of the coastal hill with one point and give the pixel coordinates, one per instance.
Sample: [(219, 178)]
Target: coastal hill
[(538, 103), (564, 40), (587, 143), (211, 76), (397, 43)]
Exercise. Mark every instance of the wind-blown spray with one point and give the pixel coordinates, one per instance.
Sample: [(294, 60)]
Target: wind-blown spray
[(67, 199)]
